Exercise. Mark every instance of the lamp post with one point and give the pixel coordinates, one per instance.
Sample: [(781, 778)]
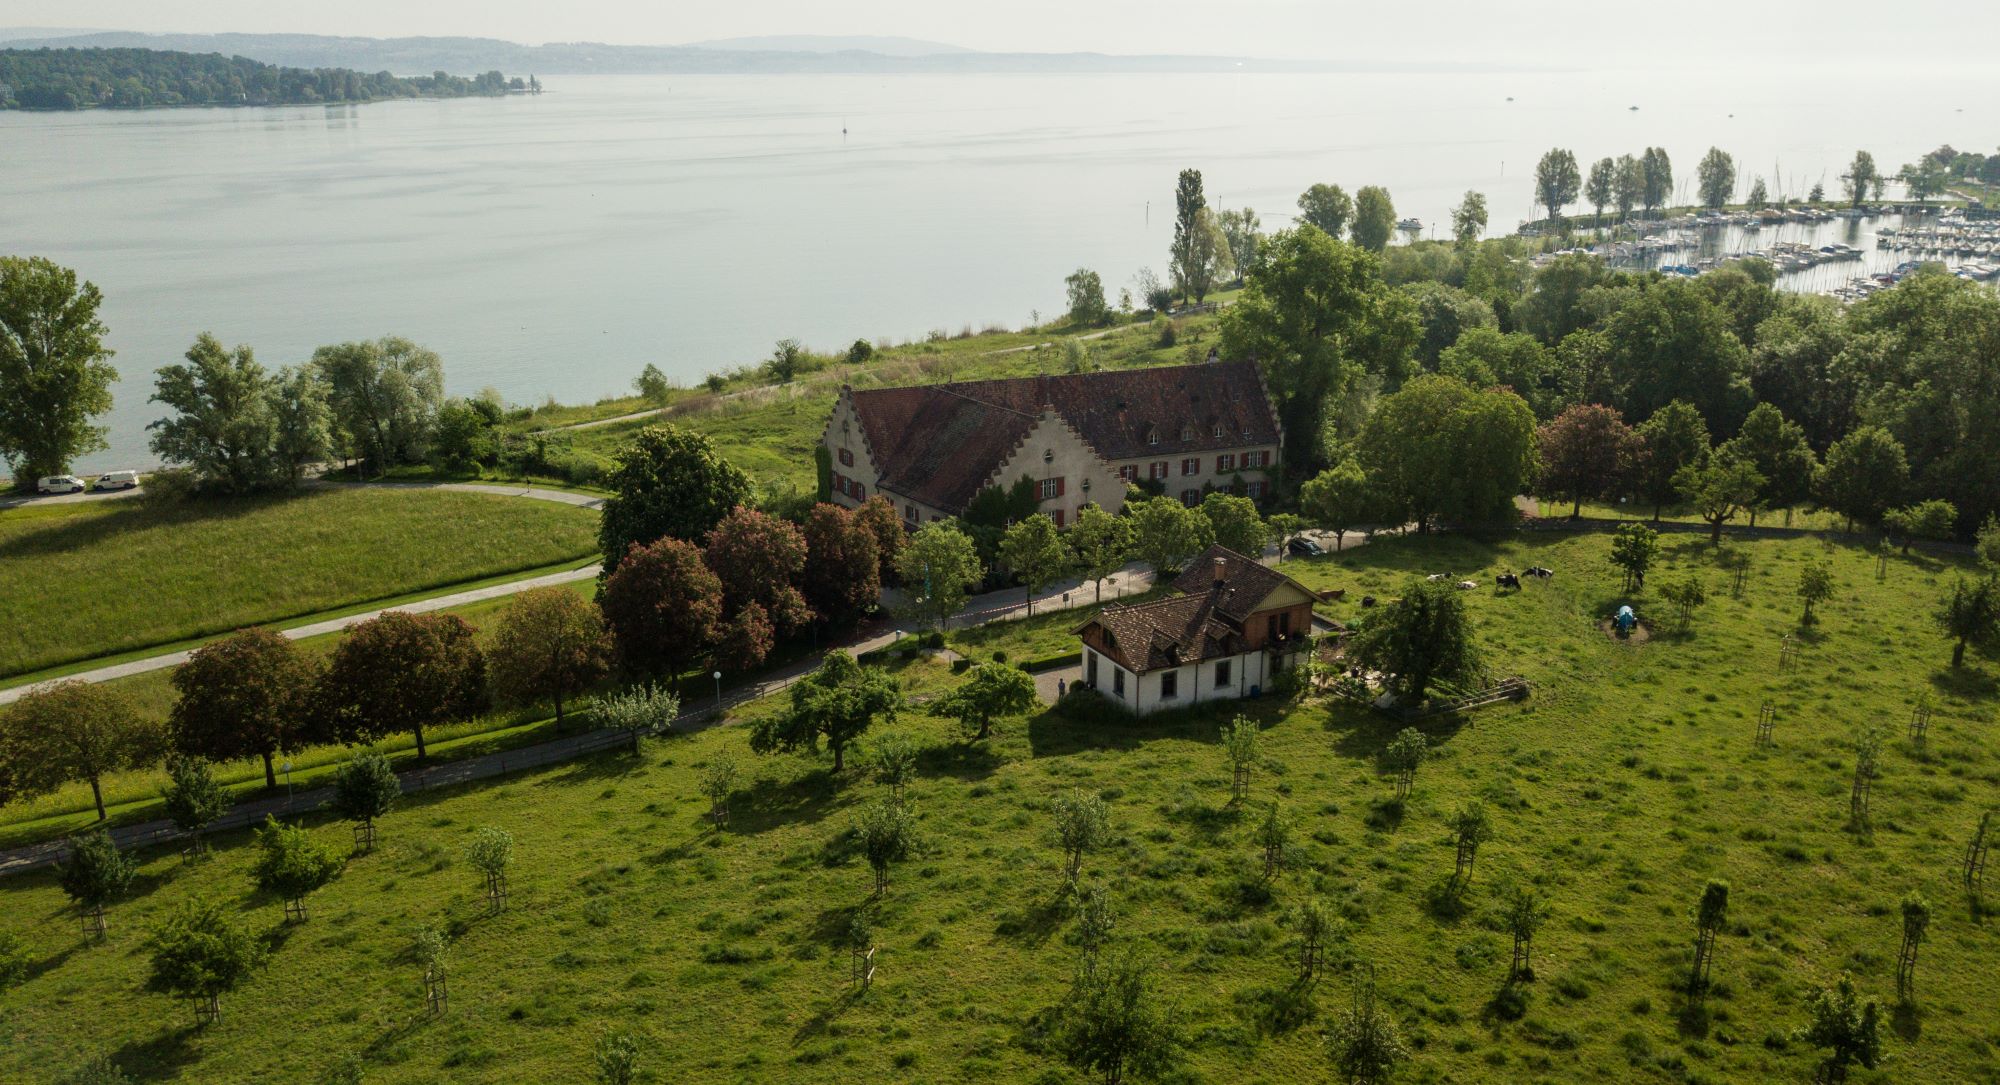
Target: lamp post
[(718, 690)]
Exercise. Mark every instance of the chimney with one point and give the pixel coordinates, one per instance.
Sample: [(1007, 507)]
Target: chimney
[(1221, 573)]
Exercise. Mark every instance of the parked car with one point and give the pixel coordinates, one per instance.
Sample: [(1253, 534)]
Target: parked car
[(117, 480), (60, 484), (1303, 547)]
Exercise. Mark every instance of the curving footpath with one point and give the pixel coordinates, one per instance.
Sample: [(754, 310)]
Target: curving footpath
[(334, 625)]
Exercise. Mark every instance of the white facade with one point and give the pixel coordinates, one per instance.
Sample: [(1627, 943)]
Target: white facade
[(1190, 683)]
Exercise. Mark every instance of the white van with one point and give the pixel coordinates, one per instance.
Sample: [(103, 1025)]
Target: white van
[(117, 480), (60, 484)]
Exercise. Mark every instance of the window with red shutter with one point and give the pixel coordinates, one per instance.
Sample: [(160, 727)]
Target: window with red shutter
[(1190, 467), (1059, 517), (846, 458), (1061, 488)]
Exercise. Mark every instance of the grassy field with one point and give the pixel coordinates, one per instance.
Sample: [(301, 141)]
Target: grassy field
[(1625, 781), (134, 796), (94, 579)]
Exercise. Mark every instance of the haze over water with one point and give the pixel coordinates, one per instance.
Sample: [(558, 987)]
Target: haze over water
[(553, 246)]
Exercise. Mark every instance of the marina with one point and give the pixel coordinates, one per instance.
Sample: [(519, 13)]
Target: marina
[(1844, 253)]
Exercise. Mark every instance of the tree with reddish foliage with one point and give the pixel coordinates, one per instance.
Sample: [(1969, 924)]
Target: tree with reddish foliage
[(551, 643), (1585, 451), (759, 559), (745, 640), (843, 574), (663, 604), (881, 518), (398, 674), (242, 696)]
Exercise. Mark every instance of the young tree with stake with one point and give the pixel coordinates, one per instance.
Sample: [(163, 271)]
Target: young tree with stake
[(894, 758), (1815, 586), (1239, 742), (364, 789), (198, 954), (1082, 824), (1115, 1022), (489, 852), (1847, 1028), (1710, 914), (93, 873), (1525, 913), (639, 711), (1634, 549), (1364, 1045), (888, 833), (293, 865), (1316, 926), (193, 799), (718, 781), (1403, 755)]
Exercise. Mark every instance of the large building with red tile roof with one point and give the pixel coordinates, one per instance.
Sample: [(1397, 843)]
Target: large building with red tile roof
[(1232, 627), (1083, 437)]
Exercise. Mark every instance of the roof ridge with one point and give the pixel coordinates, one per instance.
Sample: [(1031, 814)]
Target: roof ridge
[(949, 390)]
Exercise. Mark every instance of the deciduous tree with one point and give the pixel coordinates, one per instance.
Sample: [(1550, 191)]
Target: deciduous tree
[(668, 482), (1674, 438), (242, 696), (550, 644), (1102, 544), (1439, 449), (938, 567), (1419, 640), (225, 425), (192, 798), (664, 607), (365, 789), (835, 704), (880, 518), (1404, 755), (385, 396), (1777, 448), (1719, 490), (92, 873), (1847, 1028), (1166, 533), (1327, 207), (888, 833), (1192, 250), (1557, 181), (1865, 475), (1468, 219), (1634, 550), (1374, 218), (1860, 177), (1716, 177), (1658, 171), (1815, 587), (1082, 825), (760, 559), (1585, 453), (292, 864), (55, 371), (1970, 615), (1033, 551), (991, 691), (400, 673), (72, 731), (1336, 499), (1602, 186), (1117, 1024), (197, 953), (1935, 520), (1234, 523), (842, 579)]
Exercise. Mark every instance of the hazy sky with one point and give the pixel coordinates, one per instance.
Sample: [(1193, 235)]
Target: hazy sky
[(1603, 33)]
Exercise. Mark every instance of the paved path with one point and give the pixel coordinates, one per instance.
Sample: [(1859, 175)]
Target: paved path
[(16, 501), (334, 625)]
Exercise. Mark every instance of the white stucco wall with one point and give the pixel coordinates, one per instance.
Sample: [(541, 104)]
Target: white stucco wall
[(1051, 450), (1195, 683), (1206, 475)]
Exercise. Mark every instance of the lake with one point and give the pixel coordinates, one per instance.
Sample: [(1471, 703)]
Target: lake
[(552, 246)]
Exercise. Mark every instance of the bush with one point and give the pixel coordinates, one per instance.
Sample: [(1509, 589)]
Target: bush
[(1049, 663), (170, 484), (934, 639), (999, 656), (1164, 333), (961, 665)]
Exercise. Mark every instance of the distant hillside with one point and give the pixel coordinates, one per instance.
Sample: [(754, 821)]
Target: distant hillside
[(831, 43), (149, 78), (743, 56)]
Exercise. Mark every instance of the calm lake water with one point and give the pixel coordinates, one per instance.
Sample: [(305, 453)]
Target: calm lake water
[(552, 246)]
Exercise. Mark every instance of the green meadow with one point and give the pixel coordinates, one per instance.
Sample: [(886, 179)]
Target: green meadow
[(99, 578), (1627, 779)]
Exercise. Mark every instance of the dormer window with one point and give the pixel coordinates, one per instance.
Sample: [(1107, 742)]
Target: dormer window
[(1218, 429), (1187, 432), (1152, 436)]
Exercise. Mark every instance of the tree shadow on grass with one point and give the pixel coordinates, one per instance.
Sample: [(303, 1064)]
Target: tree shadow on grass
[(52, 962), (1964, 683), (1036, 924), (771, 804), (959, 760), (1445, 900), (1278, 1011), (816, 1025), (162, 1057), (1907, 1020), (1058, 732)]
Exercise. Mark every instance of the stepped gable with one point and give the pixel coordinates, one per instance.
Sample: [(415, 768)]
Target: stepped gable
[(941, 443)]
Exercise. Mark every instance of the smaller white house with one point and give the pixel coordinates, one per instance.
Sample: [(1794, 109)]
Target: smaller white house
[(1235, 627)]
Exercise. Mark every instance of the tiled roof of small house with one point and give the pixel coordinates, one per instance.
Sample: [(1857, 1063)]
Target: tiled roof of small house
[(1167, 632), (1248, 582), (941, 443)]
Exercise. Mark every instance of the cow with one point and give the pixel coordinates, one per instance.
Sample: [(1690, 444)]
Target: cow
[(1435, 577), (1367, 601), (1538, 572), (1508, 580), (1467, 585)]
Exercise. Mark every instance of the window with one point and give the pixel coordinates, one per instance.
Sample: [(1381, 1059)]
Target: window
[(1090, 669), (1051, 488), (1059, 517), (1164, 469), (1270, 627), (910, 513), (1118, 682), (1129, 472), (1156, 470), (1256, 490), (1170, 685), (1257, 459), (857, 491), (1152, 436), (1187, 432), (1221, 674), (1218, 429), (1285, 624), (846, 458), (839, 483), (1225, 462), (1191, 466), (1190, 498)]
